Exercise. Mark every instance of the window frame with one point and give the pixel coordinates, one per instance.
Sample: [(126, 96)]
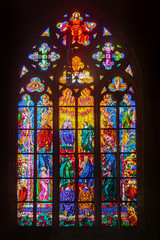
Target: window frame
[(56, 118)]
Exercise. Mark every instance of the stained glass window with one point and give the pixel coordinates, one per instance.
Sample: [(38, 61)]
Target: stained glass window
[(76, 151)]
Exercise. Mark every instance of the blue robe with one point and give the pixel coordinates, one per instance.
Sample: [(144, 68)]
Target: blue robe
[(67, 137), (66, 173), (67, 195), (88, 172), (110, 160), (43, 161)]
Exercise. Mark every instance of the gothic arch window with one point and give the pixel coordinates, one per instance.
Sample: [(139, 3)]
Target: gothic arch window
[(76, 152)]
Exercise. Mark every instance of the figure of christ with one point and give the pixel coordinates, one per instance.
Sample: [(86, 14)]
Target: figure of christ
[(67, 197), (78, 29), (87, 172), (86, 195), (43, 185), (87, 137), (67, 135)]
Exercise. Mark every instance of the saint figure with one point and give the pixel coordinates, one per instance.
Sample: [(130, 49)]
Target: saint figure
[(86, 195), (67, 135), (44, 138), (67, 197), (66, 173), (109, 185), (87, 138), (87, 174)]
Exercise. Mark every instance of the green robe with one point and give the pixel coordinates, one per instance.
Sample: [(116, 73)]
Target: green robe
[(127, 120), (86, 143), (65, 171), (109, 188)]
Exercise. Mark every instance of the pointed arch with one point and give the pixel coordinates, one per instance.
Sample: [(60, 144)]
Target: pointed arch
[(88, 141)]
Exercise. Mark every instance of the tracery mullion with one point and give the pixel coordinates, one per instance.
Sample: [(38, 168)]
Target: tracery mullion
[(97, 154), (35, 164), (55, 201), (118, 167), (76, 160)]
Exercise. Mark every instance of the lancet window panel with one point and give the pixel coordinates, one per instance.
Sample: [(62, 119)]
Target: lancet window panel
[(76, 131), (35, 155), (118, 156)]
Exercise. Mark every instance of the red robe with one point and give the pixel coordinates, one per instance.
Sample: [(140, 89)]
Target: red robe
[(78, 29), (45, 138), (22, 196), (131, 193)]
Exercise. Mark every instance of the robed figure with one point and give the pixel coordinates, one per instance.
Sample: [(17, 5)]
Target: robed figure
[(86, 195), (65, 171), (67, 197), (67, 135), (22, 193), (87, 174), (87, 138), (109, 185), (43, 185), (45, 138)]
